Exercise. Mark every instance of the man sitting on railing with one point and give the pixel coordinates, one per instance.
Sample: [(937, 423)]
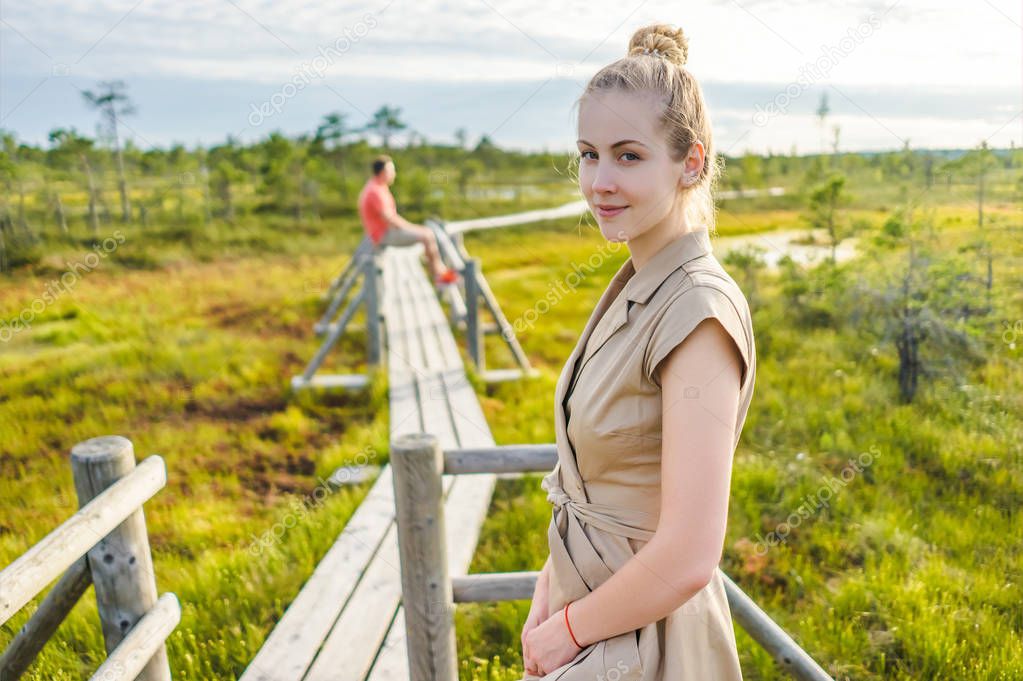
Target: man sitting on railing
[(385, 227)]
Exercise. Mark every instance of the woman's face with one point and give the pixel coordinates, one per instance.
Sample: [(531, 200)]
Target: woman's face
[(626, 172)]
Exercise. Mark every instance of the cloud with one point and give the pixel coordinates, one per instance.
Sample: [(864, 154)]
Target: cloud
[(194, 64)]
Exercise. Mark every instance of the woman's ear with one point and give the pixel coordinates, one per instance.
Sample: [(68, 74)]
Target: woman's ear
[(693, 164)]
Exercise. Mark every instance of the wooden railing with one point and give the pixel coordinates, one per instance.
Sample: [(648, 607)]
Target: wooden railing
[(104, 544), (429, 595)]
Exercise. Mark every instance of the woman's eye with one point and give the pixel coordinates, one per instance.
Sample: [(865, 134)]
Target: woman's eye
[(628, 155)]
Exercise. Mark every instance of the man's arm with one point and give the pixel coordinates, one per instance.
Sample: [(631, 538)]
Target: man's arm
[(396, 220)]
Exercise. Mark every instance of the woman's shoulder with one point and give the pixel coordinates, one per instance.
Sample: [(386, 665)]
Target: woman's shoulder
[(701, 280), (699, 290)]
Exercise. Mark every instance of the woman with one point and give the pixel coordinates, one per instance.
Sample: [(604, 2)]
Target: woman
[(650, 404)]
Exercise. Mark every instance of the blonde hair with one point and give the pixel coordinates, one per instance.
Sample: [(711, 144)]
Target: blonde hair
[(655, 63)]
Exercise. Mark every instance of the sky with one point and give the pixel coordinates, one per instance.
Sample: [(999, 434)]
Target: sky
[(934, 74)]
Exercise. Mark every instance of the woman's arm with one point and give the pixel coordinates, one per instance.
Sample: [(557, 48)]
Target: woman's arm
[(699, 405), (542, 589)]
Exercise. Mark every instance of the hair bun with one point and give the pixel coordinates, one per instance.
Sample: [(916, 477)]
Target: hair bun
[(660, 40)]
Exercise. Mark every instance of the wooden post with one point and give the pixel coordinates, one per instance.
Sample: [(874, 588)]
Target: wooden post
[(120, 563), (418, 463), (374, 338), (473, 330)]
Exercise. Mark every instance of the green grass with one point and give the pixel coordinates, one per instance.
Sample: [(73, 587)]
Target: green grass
[(912, 571), (913, 568)]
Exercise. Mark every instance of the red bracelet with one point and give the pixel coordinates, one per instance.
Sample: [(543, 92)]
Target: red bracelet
[(569, 627)]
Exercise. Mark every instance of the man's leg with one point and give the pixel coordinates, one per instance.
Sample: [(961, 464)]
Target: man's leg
[(399, 236), (406, 236), (429, 241)]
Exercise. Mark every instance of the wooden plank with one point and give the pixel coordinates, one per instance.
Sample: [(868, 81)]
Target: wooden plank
[(469, 497), (505, 459), (568, 210), (468, 502), (505, 375), (403, 396), (357, 637), (346, 381), (346, 622), (292, 645), (349, 650), (494, 586), (425, 316), (354, 641), (392, 662), (363, 249)]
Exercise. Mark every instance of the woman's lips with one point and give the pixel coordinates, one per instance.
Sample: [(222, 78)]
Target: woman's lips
[(610, 212)]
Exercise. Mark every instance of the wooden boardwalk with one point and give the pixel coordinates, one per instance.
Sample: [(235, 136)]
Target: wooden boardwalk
[(347, 623)]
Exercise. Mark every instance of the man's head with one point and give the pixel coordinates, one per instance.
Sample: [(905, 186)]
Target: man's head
[(383, 168)]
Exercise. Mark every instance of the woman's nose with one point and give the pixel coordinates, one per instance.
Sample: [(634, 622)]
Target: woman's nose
[(604, 180)]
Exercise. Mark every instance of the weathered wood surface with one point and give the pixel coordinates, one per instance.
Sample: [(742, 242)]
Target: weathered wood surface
[(23, 579), (572, 209), (120, 563), (34, 634), (418, 464), (346, 622), (133, 656)]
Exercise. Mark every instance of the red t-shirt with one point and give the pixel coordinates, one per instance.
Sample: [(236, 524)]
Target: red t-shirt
[(375, 201)]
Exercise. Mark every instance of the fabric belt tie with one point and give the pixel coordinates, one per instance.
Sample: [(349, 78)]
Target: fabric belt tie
[(624, 522)]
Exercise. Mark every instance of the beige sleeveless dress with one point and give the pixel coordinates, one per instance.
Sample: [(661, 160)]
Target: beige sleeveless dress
[(605, 488)]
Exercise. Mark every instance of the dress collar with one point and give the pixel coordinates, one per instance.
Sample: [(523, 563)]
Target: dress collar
[(639, 286)]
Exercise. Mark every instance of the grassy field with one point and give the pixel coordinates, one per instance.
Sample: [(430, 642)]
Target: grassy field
[(911, 571)]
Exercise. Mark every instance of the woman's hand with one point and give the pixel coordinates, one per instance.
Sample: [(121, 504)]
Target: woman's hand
[(549, 645), (535, 618), (537, 614)]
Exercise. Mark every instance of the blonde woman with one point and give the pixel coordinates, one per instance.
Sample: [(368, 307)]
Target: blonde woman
[(650, 405)]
